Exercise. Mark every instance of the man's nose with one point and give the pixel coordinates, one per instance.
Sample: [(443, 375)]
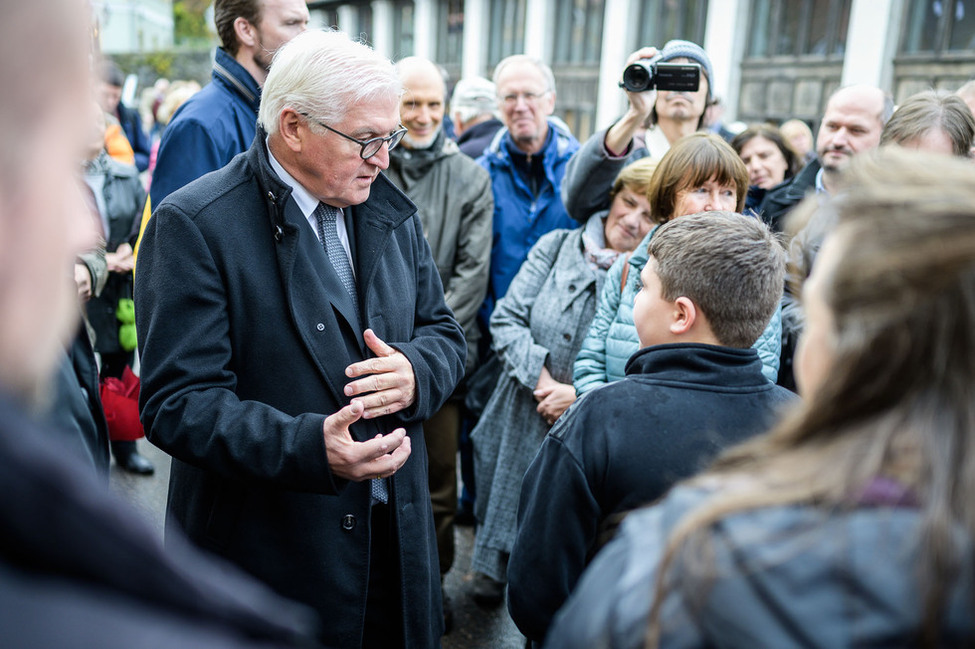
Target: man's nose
[(381, 157)]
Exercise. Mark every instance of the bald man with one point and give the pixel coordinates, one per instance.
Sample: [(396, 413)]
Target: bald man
[(853, 122), (455, 203), (854, 118)]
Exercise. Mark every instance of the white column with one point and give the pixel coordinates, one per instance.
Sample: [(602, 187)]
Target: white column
[(348, 19), (425, 28), (474, 53), (538, 29), (724, 40), (869, 43), (610, 99), (382, 27)]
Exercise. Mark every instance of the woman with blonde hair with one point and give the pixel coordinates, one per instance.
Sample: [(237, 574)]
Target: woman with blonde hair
[(851, 523)]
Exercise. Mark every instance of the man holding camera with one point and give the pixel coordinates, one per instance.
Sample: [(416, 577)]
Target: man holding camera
[(651, 124)]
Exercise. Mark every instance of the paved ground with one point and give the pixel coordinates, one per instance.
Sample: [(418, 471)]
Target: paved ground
[(474, 627)]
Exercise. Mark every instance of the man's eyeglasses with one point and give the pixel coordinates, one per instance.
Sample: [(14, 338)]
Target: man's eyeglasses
[(530, 97), (370, 147)]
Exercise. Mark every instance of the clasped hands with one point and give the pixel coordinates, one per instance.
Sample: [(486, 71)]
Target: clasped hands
[(552, 396), (384, 385)]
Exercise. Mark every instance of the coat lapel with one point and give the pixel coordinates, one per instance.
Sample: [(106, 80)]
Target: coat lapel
[(315, 297)]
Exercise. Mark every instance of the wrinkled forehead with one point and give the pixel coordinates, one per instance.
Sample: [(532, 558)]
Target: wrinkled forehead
[(521, 77)]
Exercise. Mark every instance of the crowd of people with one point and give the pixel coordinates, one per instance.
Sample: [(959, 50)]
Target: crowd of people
[(703, 388)]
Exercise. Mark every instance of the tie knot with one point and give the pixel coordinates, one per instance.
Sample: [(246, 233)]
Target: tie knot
[(327, 212)]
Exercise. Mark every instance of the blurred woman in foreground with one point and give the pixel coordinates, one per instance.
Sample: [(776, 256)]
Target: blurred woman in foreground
[(851, 524)]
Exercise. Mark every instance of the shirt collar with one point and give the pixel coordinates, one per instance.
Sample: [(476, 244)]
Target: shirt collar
[(306, 202), (820, 187)]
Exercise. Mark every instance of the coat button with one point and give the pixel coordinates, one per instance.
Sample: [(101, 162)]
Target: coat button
[(567, 337), (270, 197), (572, 288), (348, 522), (320, 326)]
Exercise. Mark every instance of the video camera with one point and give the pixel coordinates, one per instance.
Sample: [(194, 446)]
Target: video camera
[(648, 74)]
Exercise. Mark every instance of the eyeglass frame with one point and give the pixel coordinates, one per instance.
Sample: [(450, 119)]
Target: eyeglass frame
[(392, 140), (530, 98)]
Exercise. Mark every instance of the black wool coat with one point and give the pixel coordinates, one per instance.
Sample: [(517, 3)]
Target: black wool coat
[(245, 333)]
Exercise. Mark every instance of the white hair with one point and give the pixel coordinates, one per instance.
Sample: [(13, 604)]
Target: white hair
[(473, 97), (524, 58), (323, 73)]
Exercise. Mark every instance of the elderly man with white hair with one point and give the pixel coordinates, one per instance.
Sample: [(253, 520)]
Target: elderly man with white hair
[(294, 335)]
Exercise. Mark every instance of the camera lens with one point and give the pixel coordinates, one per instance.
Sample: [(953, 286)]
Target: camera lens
[(637, 77)]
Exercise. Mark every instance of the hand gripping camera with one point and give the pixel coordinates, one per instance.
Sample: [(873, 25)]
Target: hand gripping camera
[(649, 74)]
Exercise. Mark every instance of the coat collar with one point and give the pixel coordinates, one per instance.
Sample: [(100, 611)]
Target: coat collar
[(227, 71), (726, 368)]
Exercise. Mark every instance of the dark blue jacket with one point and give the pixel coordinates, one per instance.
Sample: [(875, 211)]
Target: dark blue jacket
[(209, 129), (245, 332), (521, 217), (622, 446)]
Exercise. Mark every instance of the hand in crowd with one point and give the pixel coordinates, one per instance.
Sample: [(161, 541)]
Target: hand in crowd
[(82, 279), (379, 457), (120, 261), (552, 396), (641, 104), (389, 384)]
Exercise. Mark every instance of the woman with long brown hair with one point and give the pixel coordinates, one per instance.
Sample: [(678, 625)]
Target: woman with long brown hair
[(851, 523)]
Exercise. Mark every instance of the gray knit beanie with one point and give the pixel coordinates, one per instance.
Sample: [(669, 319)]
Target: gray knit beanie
[(677, 49)]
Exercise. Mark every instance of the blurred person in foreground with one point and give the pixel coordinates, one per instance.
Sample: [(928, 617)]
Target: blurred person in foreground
[(79, 568), (850, 523), (294, 336), (709, 289)]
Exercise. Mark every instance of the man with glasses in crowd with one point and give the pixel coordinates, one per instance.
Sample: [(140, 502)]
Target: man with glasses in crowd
[(526, 162), (294, 336)]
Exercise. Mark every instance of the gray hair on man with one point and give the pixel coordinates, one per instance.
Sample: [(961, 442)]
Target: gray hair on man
[(473, 97), (524, 58), (322, 73)]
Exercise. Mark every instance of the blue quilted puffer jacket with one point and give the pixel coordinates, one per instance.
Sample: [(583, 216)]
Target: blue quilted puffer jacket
[(612, 337)]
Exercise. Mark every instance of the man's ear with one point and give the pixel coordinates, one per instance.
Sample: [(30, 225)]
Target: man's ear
[(246, 32), (289, 130), (685, 315)]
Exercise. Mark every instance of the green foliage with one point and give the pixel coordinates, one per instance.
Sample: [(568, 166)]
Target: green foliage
[(190, 23)]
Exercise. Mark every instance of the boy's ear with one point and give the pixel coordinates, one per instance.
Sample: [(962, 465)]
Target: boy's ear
[(685, 315)]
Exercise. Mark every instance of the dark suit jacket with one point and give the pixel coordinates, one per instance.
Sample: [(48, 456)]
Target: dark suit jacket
[(245, 333)]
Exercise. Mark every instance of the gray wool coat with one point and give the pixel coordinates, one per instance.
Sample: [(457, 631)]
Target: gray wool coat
[(541, 321)]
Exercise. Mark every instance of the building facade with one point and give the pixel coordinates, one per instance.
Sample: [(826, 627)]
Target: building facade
[(134, 25), (772, 59)]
